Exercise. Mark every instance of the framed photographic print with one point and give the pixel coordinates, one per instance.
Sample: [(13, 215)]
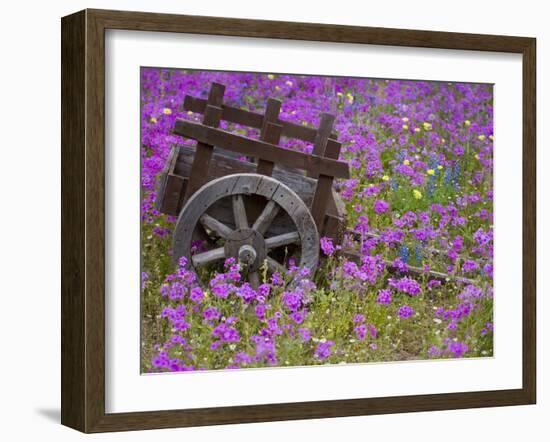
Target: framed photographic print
[(268, 221)]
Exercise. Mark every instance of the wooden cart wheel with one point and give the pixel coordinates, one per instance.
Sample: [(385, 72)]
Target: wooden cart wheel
[(249, 241)]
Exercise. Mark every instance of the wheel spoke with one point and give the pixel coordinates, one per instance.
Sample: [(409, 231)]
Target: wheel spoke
[(266, 217), (203, 258), (239, 212), (282, 240), (254, 279), (274, 266), (216, 226)]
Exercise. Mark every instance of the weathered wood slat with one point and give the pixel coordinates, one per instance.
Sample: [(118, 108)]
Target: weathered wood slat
[(254, 119), (216, 226), (162, 201), (282, 240), (270, 133), (201, 162), (261, 149), (267, 216), (203, 258), (323, 134), (239, 212), (175, 188), (324, 181)]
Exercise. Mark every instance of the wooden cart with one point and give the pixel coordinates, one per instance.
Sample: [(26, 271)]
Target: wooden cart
[(274, 203)]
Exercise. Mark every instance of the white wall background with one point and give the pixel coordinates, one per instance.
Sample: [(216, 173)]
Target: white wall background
[(30, 216)]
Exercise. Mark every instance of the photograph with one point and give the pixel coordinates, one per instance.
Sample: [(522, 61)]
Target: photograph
[(295, 220)]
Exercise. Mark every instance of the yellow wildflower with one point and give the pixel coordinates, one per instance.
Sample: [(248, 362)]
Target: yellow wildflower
[(167, 111), (417, 194), (481, 137), (443, 140), (350, 98), (417, 129), (439, 167), (427, 126), (405, 119), (491, 137), (386, 178), (340, 94), (406, 162), (271, 76), (277, 88), (189, 112), (405, 127), (153, 120), (477, 156), (467, 123), (430, 172)]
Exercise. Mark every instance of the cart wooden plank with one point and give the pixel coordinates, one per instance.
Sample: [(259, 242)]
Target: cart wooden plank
[(324, 181), (260, 149), (254, 119), (270, 133), (201, 163)]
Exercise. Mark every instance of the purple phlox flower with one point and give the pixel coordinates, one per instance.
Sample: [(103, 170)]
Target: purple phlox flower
[(384, 296), (292, 299), (469, 265), (350, 268), (406, 285), (458, 348), (470, 292), (242, 358), (144, 278), (371, 268), (221, 290), (324, 349), (326, 246), (392, 236), (434, 351), (210, 313), (226, 333), (400, 265), (361, 331), (182, 261), (305, 333), (298, 316), (246, 292), (260, 310), (381, 206), (277, 279), (405, 311), (264, 289), (373, 331), (197, 295), (362, 225)]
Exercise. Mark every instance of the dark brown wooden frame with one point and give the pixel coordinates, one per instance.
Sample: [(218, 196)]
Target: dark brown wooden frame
[(83, 220)]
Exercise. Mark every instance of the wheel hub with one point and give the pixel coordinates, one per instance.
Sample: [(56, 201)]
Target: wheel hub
[(248, 246)]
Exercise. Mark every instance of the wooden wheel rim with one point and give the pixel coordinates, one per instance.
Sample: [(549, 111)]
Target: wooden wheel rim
[(248, 184)]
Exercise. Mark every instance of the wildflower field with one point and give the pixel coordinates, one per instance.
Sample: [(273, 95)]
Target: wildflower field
[(419, 215)]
